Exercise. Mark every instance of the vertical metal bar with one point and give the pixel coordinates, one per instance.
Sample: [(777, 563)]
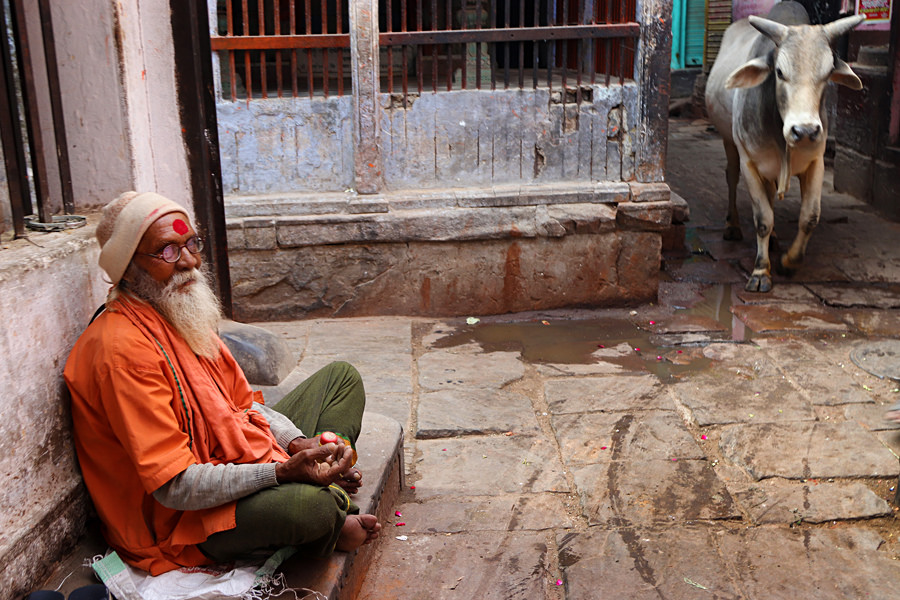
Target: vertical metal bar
[(521, 24), (448, 26), (592, 46), (506, 11), (478, 50), (32, 116), (389, 26), (261, 31), (404, 49), (565, 49), (419, 54), (248, 82), (325, 55), (493, 23), (293, 29), (229, 23), (276, 17), (56, 109), (11, 138), (434, 48), (463, 24), (608, 44), (309, 58), (551, 49), (536, 46), (340, 51)]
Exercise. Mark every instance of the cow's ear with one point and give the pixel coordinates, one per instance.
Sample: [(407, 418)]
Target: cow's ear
[(844, 75), (749, 75)]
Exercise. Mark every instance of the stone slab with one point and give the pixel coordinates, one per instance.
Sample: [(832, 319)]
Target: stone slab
[(532, 512), (824, 382), (646, 492), (487, 466), (810, 564), (619, 393), (874, 322), (788, 317), (449, 413), (717, 398), (807, 450), (600, 437), (778, 500), (871, 416), (443, 370), (858, 296), (466, 565), (676, 564), (793, 293)]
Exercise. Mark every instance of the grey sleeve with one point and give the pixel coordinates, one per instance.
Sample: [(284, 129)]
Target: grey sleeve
[(282, 428), (207, 485)]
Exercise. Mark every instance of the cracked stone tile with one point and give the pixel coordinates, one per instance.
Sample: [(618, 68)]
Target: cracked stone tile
[(778, 500), (646, 492), (488, 466), (449, 413), (807, 450), (441, 370), (618, 393), (598, 437)]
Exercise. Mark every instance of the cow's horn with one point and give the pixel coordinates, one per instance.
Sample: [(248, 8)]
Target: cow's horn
[(772, 30), (841, 26)]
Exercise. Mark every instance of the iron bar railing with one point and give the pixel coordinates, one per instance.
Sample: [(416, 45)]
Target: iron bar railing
[(30, 192), (429, 45)]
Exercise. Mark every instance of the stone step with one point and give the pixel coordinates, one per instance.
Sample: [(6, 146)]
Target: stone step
[(338, 577)]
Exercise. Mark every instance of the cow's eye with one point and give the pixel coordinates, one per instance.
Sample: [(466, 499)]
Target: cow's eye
[(780, 74)]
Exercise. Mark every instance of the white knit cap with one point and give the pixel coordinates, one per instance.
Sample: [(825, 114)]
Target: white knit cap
[(123, 224)]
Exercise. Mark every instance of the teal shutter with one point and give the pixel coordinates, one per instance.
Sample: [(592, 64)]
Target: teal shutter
[(694, 32), (678, 34)]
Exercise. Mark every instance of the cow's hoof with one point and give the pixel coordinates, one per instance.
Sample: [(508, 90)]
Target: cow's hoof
[(759, 283), (732, 234)]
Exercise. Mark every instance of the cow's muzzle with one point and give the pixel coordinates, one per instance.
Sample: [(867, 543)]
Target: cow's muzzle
[(804, 132)]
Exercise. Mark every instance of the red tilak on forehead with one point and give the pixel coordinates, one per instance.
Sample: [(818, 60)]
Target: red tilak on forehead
[(180, 227)]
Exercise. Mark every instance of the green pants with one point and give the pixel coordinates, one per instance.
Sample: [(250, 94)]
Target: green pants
[(307, 516)]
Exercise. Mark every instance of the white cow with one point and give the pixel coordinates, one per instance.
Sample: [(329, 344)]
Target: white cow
[(764, 95)]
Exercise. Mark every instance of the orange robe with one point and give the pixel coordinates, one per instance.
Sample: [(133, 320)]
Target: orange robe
[(144, 408)]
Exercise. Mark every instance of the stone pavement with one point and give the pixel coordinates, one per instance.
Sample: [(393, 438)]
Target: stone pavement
[(716, 444)]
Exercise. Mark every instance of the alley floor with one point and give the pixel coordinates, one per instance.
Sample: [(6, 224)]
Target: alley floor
[(716, 444)]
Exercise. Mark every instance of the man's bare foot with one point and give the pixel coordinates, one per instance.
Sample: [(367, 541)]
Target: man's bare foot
[(350, 481), (357, 530)]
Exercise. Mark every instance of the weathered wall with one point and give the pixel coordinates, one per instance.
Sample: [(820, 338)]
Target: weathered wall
[(473, 138), (286, 145), (47, 296), (449, 252)]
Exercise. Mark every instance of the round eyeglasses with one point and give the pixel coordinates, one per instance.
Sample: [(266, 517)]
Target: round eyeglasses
[(172, 252)]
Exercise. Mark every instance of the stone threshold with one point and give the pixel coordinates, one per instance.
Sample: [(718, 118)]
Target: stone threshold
[(291, 221)]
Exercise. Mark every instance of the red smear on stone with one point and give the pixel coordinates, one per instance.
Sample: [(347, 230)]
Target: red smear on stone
[(180, 227)]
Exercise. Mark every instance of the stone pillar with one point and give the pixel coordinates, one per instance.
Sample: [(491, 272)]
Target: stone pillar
[(364, 56), (474, 15), (652, 74)]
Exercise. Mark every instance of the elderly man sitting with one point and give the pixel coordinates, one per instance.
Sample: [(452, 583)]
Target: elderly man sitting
[(185, 464)]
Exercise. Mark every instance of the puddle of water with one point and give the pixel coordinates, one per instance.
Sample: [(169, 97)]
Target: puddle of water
[(561, 341)]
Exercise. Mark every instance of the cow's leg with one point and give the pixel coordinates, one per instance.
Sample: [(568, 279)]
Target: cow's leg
[(763, 219), (732, 174), (810, 210)]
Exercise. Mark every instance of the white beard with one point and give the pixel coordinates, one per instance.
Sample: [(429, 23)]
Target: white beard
[(193, 310)]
